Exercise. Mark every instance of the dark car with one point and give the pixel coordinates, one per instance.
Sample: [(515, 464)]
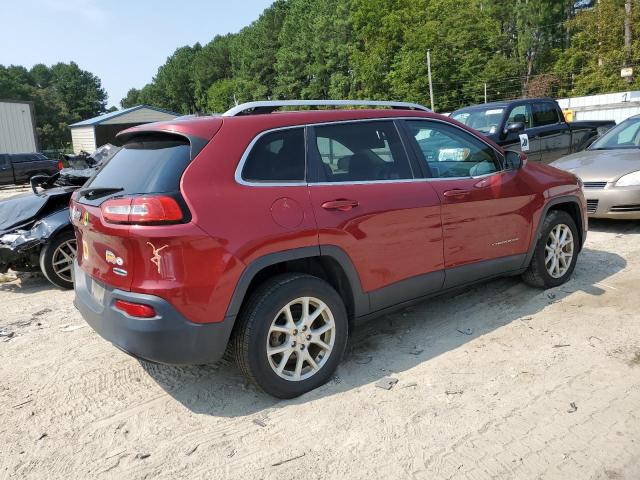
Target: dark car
[(35, 228), (535, 126), (273, 234), (16, 168)]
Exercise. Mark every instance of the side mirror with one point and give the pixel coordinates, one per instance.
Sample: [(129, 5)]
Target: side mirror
[(514, 160), (514, 127)]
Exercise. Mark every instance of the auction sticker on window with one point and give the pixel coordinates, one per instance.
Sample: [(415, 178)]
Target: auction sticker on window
[(524, 142)]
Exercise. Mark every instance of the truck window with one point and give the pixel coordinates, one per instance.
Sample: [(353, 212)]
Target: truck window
[(22, 158), (485, 120), (544, 114), (521, 113)]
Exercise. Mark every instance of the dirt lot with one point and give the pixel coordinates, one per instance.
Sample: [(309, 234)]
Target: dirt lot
[(500, 382)]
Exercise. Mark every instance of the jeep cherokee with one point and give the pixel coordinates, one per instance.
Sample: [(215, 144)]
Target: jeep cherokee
[(271, 234)]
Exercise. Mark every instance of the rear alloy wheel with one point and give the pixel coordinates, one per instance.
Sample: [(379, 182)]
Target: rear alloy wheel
[(301, 338), (292, 335), (56, 259), (555, 253)]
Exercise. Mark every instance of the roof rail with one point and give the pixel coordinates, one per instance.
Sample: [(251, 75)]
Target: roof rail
[(252, 108)]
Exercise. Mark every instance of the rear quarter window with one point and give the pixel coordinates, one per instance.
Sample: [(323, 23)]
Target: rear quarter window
[(277, 156), (150, 164)]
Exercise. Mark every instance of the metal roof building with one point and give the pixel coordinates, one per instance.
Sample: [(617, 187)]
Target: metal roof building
[(94, 132), (17, 127)]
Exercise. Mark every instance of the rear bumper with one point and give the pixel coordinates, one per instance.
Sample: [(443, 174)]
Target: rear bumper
[(614, 202), (166, 338)]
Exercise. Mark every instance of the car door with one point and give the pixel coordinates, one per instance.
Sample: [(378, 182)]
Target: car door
[(525, 140), (20, 164), (6, 172), (368, 203), (485, 208), (552, 131)]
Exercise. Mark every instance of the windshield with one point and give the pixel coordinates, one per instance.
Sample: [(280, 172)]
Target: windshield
[(624, 135), (485, 120)]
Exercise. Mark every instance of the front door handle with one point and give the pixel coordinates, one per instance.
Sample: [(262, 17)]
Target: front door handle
[(342, 205), (456, 193)]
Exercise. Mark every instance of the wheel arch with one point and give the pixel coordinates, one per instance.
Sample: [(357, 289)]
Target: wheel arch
[(569, 204), (54, 224), (328, 262)]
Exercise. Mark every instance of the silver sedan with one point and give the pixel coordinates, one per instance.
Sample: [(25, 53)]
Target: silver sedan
[(610, 172)]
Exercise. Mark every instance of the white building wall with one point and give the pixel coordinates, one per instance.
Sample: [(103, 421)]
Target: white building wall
[(17, 131), (83, 138), (609, 106), (618, 114)]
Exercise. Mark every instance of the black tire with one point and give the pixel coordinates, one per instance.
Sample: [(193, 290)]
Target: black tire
[(249, 342), (537, 274), (47, 257)]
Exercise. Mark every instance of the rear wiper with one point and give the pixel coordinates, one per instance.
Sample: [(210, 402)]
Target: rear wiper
[(98, 192)]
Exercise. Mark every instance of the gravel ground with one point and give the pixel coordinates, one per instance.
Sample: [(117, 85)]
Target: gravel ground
[(8, 191), (499, 382)]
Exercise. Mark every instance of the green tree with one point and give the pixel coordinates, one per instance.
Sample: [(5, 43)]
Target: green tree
[(593, 61), (174, 82), (254, 50), (313, 62), (62, 94), (225, 93), (132, 99), (79, 90), (211, 64)]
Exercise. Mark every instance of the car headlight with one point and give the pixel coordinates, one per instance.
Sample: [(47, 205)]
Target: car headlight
[(629, 180), (9, 238)]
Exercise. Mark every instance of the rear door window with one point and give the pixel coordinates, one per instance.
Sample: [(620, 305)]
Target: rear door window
[(361, 151), (20, 158), (544, 113), (450, 152), (521, 113), (277, 156), (147, 164)]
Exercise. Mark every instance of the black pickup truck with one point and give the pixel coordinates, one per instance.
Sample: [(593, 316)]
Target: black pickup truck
[(18, 168), (535, 126)]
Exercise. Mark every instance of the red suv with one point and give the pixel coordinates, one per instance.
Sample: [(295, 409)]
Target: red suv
[(271, 234)]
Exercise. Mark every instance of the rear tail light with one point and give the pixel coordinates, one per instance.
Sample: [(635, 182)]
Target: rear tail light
[(135, 309), (141, 210), (60, 165)]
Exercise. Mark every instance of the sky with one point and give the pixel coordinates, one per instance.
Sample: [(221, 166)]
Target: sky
[(122, 42)]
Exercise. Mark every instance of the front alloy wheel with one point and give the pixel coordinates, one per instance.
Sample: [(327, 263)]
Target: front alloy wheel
[(556, 251), (559, 250), (56, 259)]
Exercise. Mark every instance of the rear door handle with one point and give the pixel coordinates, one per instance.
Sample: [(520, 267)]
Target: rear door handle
[(342, 205), (456, 193)]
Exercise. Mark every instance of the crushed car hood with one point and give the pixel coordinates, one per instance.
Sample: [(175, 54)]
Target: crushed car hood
[(22, 209)]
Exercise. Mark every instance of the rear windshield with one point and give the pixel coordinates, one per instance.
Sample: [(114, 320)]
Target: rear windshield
[(145, 165)]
